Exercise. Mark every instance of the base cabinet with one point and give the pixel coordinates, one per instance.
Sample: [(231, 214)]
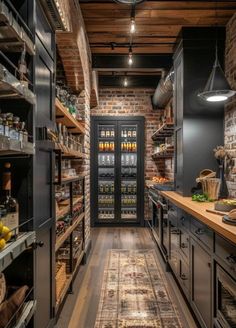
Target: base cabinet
[(201, 282)]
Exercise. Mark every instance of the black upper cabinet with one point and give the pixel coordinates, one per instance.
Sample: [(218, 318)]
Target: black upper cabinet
[(199, 125)]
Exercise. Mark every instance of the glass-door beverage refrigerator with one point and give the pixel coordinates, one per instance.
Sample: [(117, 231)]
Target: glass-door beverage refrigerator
[(117, 170)]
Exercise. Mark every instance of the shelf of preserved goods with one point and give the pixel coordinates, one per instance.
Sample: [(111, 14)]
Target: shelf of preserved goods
[(166, 130), (13, 35), (64, 206), (61, 239), (70, 179), (16, 247), (12, 88), (13, 147), (64, 117), (66, 152)]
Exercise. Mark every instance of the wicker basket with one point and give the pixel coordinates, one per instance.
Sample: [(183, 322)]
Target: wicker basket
[(60, 278)]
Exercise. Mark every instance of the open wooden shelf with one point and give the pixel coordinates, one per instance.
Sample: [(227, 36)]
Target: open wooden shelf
[(13, 36), (64, 206), (15, 147), (166, 130), (67, 152), (168, 153), (63, 116), (12, 88), (61, 239)]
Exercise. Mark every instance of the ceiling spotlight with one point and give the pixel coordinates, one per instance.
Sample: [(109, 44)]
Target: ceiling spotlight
[(125, 82), (132, 25)]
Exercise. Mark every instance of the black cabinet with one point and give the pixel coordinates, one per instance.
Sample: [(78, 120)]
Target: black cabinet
[(174, 245), (199, 125), (117, 170), (201, 283)]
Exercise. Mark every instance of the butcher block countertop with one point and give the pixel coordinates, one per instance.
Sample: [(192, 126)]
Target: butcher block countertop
[(198, 210)]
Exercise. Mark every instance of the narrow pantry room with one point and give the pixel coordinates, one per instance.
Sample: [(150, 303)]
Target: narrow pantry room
[(117, 164)]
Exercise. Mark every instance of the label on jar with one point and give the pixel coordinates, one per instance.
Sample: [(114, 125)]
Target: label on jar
[(13, 134), (11, 220), (1, 130), (6, 130)]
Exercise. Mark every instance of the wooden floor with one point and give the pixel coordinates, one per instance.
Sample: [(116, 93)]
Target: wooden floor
[(80, 308)]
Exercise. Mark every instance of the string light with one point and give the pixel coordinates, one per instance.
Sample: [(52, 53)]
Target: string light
[(125, 82), (130, 59), (132, 25)]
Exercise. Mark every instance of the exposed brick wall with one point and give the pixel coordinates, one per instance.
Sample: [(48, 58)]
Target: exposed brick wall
[(134, 102), (230, 108)]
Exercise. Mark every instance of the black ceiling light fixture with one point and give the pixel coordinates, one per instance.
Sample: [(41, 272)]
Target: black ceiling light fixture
[(217, 88)]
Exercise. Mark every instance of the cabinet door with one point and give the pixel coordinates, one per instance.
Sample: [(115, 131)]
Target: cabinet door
[(174, 246), (201, 284)]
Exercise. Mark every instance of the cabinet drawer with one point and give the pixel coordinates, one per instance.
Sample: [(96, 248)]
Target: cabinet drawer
[(184, 276), (184, 243), (202, 232), (172, 210), (184, 221), (227, 252)]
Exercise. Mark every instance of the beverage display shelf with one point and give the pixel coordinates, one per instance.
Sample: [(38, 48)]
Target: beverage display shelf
[(28, 311), (15, 147), (128, 178), (106, 178), (60, 240), (127, 166), (102, 208), (106, 166), (13, 36), (70, 179), (12, 88), (106, 138), (66, 152), (128, 152), (64, 117), (16, 247), (128, 138), (106, 152), (166, 130)]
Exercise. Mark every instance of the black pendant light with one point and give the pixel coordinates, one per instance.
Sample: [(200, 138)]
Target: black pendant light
[(217, 88)]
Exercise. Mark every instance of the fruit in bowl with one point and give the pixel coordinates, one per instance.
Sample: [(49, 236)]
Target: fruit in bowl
[(225, 205)]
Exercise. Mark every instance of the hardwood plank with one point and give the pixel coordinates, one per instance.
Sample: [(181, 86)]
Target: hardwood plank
[(81, 307)]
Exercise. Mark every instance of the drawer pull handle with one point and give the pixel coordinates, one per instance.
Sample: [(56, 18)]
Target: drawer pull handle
[(200, 231), (231, 259), (183, 245), (175, 232), (183, 276)]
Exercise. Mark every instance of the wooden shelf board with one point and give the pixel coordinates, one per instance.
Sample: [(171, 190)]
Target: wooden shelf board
[(13, 35), (65, 206), (166, 130), (64, 117), (67, 152), (67, 233)]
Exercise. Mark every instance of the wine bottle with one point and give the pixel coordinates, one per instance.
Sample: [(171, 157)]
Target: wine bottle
[(10, 204)]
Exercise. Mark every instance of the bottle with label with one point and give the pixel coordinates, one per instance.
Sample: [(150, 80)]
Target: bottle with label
[(112, 133), (102, 133), (134, 134), (11, 219)]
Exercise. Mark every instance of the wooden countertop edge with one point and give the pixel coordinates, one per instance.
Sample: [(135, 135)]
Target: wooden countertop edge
[(199, 212)]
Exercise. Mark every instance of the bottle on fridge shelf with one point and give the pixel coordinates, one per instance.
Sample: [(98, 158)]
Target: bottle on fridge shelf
[(8, 203)]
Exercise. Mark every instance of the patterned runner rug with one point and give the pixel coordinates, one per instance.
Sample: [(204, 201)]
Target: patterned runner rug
[(134, 293)]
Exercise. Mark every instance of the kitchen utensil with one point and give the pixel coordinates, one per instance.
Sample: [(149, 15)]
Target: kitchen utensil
[(215, 212)]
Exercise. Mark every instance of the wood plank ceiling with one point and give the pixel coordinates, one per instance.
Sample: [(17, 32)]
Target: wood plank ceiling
[(158, 24)]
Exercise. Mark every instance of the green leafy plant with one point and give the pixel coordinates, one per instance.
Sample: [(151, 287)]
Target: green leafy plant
[(201, 198)]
